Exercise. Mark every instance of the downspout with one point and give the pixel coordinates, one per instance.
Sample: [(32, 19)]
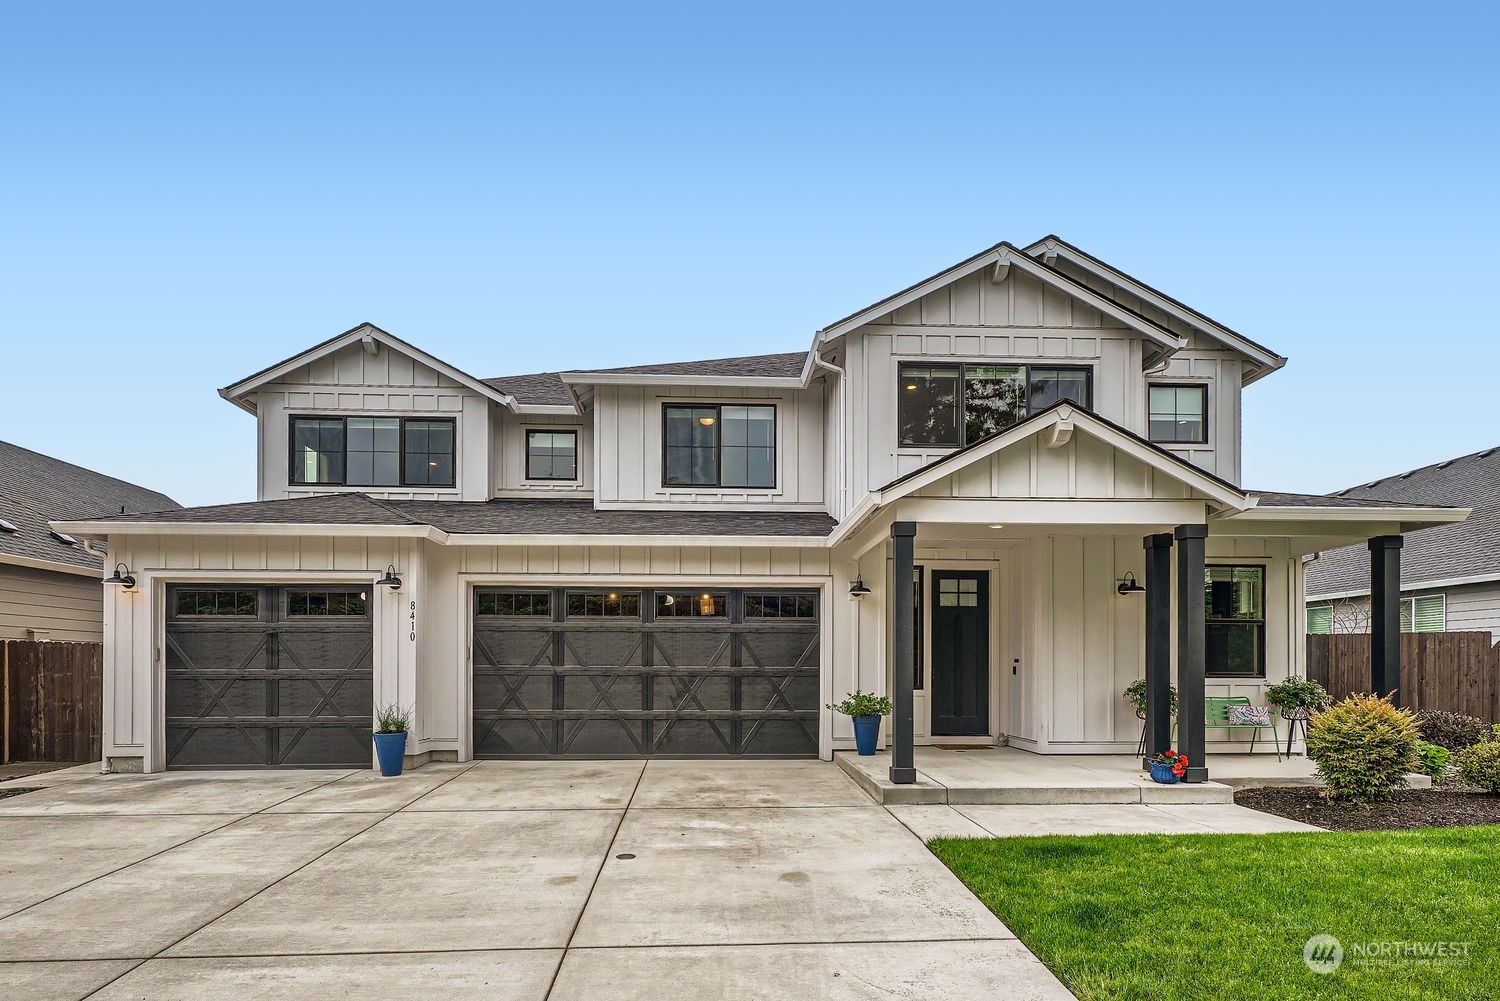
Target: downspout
[(841, 459)]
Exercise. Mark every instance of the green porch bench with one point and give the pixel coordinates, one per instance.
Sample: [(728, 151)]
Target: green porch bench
[(1216, 716)]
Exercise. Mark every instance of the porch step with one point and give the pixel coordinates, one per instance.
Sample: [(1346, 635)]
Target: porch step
[(1001, 776)]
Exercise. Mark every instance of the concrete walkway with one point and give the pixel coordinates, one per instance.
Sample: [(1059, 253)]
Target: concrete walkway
[(521, 880)]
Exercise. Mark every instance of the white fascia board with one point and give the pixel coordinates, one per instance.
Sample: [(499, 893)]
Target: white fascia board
[(1415, 517), (104, 529), (234, 392), (556, 409), (855, 520), (1065, 510), (623, 379), (758, 541), (1266, 360), (35, 564)]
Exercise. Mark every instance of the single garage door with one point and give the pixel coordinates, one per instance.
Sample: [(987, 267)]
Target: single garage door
[(269, 676), (598, 673)]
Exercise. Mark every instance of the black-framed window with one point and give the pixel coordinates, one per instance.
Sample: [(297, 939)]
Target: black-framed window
[(692, 604), (372, 451), (719, 445), (525, 603), (551, 455), (1177, 413), (603, 604), (326, 601), (218, 601), (960, 403), (775, 605), (1234, 601)]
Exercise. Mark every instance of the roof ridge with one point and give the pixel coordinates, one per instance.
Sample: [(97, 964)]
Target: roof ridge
[(382, 504)]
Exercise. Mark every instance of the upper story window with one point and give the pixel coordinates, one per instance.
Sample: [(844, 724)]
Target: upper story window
[(955, 404), (713, 445), (373, 451), (552, 455), (1178, 414)]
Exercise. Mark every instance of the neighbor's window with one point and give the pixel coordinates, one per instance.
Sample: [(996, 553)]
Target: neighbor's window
[(1178, 414), (957, 404), (1234, 599), (215, 601), (552, 455), (373, 451), (1424, 613), (1320, 620), (719, 446)]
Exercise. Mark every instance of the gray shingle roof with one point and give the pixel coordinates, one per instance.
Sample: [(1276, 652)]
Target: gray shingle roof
[(36, 489), (495, 517), (1468, 549), (1276, 498), (547, 389), (542, 389)]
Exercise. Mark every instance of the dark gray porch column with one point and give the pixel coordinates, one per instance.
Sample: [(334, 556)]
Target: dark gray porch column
[(903, 654), (1385, 616), (1191, 643), (1158, 642)]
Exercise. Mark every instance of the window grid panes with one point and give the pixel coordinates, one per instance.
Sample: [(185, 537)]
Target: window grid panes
[(552, 455), (779, 606), (373, 451), (719, 446), (429, 452), (1320, 621), (317, 450), (1178, 414), (321, 602), (959, 404), (528, 603), (604, 605), (1234, 607), (958, 593), (242, 601), (692, 604)]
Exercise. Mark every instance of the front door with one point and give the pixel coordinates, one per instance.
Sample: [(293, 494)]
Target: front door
[(960, 653)]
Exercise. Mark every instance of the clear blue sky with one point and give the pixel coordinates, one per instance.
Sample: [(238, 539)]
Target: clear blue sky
[(191, 192)]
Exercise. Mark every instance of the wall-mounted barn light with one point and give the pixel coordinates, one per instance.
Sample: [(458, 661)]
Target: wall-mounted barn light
[(1128, 585), (858, 589), (121, 576), (390, 579)]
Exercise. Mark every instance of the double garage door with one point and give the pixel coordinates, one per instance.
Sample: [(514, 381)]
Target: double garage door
[(594, 673), (268, 676)]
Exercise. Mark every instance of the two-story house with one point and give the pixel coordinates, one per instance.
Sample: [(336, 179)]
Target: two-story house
[(955, 495)]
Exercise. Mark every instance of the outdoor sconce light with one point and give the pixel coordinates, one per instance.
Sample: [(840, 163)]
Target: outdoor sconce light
[(858, 589), (1128, 585), (121, 576), (390, 579)]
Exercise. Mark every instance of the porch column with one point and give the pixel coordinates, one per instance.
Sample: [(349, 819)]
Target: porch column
[(1385, 616), (1191, 653), (1158, 642), (903, 654)]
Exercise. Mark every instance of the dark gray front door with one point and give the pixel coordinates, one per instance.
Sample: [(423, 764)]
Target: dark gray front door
[(625, 673), (268, 676), (960, 653)]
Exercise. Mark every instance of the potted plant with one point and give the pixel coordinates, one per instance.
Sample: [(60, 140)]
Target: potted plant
[(1135, 694), (865, 708), (391, 724), (1297, 697), (1168, 767)]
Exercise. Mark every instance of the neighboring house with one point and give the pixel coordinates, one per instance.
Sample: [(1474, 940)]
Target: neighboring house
[(695, 558), (49, 581), (1450, 576)]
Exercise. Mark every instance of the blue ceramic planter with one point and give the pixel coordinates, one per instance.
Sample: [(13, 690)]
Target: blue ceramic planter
[(866, 734), (1163, 774), (390, 751)]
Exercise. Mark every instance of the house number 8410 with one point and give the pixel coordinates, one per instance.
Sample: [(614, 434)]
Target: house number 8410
[(413, 616)]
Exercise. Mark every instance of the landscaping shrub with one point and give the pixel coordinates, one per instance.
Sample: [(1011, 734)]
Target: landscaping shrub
[(1363, 747), (1455, 731), (1479, 765), (1432, 759)]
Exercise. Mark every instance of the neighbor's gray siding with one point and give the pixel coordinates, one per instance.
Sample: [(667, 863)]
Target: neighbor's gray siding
[(62, 606), (1469, 608)]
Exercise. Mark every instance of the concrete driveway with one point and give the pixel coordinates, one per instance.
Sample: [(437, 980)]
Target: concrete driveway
[(515, 880)]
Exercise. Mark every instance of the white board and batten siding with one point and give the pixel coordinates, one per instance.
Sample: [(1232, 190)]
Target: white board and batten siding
[(508, 451), (628, 423), (351, 382), (44, 604)]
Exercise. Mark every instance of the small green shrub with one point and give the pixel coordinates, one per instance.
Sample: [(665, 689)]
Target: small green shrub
[(392, 719), (858, 703), (1455, 731), (1363, 747), (1135, 694), (1297, 692), (1479, 765), (1432, 759)]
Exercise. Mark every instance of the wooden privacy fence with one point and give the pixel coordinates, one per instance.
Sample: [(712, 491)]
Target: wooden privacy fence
[(1452, 671), (51, 701)]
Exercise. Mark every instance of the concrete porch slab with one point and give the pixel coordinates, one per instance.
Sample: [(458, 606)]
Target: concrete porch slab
[(954, 971), (59, 981)]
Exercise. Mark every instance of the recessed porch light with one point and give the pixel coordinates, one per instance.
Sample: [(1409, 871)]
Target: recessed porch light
[(997, 526)]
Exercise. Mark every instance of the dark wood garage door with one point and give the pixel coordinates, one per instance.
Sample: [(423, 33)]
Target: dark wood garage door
[(269, 676), (563, 672)]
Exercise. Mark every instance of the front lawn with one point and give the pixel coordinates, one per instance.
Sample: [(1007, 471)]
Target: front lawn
[(1210, 916)]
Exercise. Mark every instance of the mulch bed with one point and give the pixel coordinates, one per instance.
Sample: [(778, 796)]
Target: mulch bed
[(11, 791), (1447, 806)]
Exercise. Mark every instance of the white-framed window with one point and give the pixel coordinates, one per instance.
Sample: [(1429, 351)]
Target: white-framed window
[(1320, 620), (1424, 613)]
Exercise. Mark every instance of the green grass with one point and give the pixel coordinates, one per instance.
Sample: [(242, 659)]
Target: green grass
[(1210, 916)]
